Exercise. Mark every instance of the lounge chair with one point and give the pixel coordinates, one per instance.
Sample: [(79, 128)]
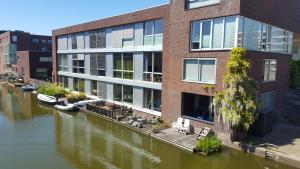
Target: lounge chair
[(177, 125), (204, 133), (186, 127)]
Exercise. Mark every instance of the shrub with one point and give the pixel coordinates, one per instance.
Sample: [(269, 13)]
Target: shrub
[(209, 145), (160, 126), (294, 74), (52, 89), (75, 97)]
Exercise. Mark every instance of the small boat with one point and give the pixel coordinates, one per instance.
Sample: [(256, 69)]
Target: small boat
[(66, 107), (28, 88), (47, 99)]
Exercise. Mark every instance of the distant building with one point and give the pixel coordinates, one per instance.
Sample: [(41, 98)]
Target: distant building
[(21, 53), (160, 60)]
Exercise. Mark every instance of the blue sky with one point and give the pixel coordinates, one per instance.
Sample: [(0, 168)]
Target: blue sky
[(42, 16)]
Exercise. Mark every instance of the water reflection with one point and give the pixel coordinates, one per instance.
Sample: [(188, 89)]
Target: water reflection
[(45, 138)]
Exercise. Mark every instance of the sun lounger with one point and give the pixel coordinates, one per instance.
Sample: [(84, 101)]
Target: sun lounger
[(186, 127), (204, 133), (177, 125)]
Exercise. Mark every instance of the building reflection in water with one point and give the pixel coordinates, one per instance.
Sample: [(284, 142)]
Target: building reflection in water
[(85, 141)]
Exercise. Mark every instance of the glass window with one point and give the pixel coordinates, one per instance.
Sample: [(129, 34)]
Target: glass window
[(267, 102), (252, 35), (78, 85), (270, 68), (123, 93), (195, 35), (14, 38), (127, 94), (230, 32), (97, 64), (152, 99), (190, 4), (78, 63), (94, 88), (218, 33), (158, 26), (207, 71), (199, 70), (97, 39), (206, 34), (191, 70), (153, 32), (128, 42), (74, 41), (63, 62), (153, 66), (123, 65)]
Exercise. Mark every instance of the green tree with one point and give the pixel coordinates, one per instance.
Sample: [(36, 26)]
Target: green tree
[(294, 74), (236, 104)]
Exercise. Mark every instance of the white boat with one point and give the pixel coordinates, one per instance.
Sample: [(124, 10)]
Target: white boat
[(47, 99), (66, 107)]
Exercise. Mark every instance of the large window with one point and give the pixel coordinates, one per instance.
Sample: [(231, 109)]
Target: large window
[(233, 31), (270, 68), (94, 88), (153, 32), (199, 70), (97, 39), (78, 63), (267, 102), (64, 81), (152, 99), (153, 66), (127, 35), (97, 64), (63, 62), (123, 93), (74, 41), (78, 85), (200, 3), (123, 65), (218, 33)]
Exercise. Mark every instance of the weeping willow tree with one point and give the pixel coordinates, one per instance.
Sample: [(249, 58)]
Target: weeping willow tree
[(236, 104)]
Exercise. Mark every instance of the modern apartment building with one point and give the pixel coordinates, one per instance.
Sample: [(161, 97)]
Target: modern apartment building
[(17, 46), (160, 61)]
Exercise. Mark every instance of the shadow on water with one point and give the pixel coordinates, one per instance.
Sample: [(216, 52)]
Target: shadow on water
[(45, 138)]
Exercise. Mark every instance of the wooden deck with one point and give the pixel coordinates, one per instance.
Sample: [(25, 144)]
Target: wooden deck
[(186, 142)]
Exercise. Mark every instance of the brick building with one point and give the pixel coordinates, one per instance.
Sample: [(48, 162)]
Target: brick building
[(17, 46), (160, 60)]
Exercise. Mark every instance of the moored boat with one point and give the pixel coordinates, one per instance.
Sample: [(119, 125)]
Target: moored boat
[(66, 107), (47, 99)]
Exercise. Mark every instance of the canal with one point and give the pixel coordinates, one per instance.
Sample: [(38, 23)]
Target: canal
[(34, 136)]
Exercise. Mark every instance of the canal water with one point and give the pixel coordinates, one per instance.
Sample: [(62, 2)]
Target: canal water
[(34, 136)]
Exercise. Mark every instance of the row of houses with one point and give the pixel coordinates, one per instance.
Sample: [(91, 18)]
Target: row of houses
[(161, 60)]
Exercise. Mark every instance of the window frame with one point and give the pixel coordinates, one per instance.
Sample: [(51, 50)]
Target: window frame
[(187, 2), (122, 94), (198, 70), (265, 80), (97, 66), (61, 66), (122, 70), (153, 35), (237, 17), (78, 67), (152, 73), (152, 99)]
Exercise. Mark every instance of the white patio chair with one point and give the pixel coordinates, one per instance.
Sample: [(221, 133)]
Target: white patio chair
[(177, 125), (186, 127)]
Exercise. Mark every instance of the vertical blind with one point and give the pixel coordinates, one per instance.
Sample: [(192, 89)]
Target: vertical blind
[(117, 37), (230, 32), (218, 33)]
